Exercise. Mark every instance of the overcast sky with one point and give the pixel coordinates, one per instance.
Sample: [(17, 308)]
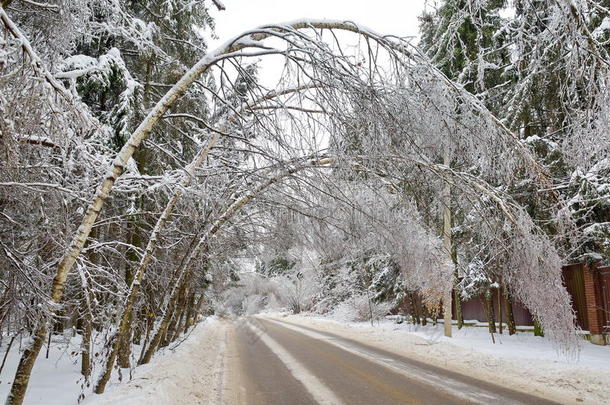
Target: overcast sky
[(398, 17)]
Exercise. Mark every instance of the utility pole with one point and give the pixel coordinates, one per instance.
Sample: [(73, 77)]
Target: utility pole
[(447, 243)]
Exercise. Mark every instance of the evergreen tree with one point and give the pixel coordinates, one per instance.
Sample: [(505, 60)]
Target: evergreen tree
[(466, 41)]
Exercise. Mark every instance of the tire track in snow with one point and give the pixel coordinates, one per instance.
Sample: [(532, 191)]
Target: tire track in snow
[(451, 386), (318, 390), (220, 367)]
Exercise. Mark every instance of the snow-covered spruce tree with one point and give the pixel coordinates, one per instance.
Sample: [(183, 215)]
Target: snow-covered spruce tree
[(466, 41), (559, 66), (413, 141), (120, 84), (72, 142), (558, 101), (549, 87), (589, 204)]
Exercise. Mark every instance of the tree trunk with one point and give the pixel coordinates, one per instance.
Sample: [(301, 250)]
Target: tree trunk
[(87, 316), (86, 350), (124, 354), (185, 308), (500, 295), (7, 351), (86, 332), (415, 309), (423, 311), (457, 299), (141, 326), (164, 341), (489, 310), (156, 339), (512, 329), (180, 324), (538, 328), (24, 369), (188, 319), (150, 324), (177, 316)]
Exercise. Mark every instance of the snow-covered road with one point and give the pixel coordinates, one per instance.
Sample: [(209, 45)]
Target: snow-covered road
[(278, 362), (296, 360)]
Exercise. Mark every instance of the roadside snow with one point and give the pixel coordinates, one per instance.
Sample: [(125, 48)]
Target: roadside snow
[(55, 380), (523, 362), (190, 374), (185, 373)]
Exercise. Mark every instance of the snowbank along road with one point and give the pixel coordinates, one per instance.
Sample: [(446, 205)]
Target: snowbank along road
[(278, 362)]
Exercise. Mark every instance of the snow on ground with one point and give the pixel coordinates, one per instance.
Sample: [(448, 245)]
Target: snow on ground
[(185, 373), (190, 374), (55, 380), (523, 361), (192, 371)]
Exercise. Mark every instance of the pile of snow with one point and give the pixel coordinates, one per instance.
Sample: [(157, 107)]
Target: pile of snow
[(360, 308), (185, 373), (55, 380), (189, 373)]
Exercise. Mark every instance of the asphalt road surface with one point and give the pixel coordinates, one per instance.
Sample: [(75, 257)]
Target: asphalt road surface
[(275, 362)]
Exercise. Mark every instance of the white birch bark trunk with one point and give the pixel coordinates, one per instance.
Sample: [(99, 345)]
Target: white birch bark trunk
[(24, 369), (134, 288), (127, 309), (227, 215)]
